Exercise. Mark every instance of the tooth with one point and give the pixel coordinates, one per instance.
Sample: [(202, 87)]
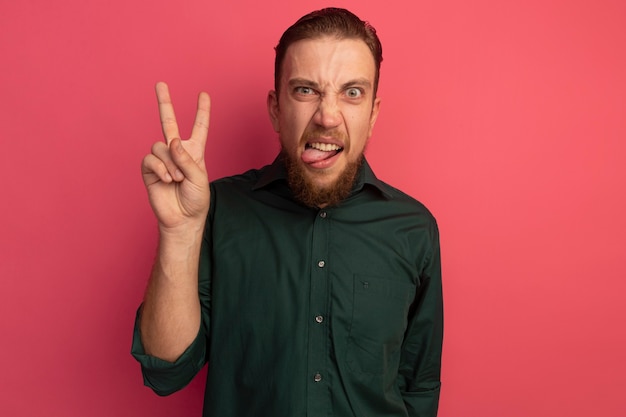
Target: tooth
[(325, 147)]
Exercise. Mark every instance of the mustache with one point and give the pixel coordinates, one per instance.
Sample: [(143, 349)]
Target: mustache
[(317, 132)]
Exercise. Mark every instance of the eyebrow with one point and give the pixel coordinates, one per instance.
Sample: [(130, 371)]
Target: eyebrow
[(360, 82)]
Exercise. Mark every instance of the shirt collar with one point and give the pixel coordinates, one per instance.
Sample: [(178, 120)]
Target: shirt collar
[(278, 172)]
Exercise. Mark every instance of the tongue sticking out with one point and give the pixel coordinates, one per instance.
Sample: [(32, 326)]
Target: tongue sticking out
[(312, 155)]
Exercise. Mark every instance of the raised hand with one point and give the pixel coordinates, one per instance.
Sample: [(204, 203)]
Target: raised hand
[(174, 173)]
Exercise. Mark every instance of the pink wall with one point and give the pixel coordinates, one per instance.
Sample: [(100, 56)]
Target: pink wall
[(507, 118)]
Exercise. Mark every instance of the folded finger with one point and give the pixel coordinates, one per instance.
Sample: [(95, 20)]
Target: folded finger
[(154, 170), (162, 153)]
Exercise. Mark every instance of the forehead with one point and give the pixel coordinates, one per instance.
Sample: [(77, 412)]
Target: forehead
[(328, 59)]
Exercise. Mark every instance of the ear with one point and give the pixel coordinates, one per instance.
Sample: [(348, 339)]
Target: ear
[(374, 115), (272, 109)]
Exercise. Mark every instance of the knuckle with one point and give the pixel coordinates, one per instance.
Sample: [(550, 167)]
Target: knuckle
[(148, 163), (157, 147), (202, 124)]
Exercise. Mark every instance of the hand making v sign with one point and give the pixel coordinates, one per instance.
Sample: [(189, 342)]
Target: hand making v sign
[(174, 173)]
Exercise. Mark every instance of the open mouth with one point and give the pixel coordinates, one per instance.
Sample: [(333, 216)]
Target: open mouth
[(317, 151)]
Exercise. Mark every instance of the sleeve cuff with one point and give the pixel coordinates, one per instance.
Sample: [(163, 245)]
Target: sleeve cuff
[(422, 403), (165, 377)]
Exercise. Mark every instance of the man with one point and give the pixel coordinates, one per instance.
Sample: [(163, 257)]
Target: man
[(309, 286)]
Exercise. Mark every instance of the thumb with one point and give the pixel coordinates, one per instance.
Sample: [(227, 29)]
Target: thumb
[(183, 160)]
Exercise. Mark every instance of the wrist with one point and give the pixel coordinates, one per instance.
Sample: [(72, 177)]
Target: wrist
[(181, 244), (184, 231)]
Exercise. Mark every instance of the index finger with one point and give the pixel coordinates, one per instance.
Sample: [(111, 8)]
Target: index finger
[(201, 123), (166, 113)]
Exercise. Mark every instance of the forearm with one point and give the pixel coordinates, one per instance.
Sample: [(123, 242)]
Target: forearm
[(170, 316)]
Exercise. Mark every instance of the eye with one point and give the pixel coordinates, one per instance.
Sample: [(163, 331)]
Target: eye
[(304, 90), (354, 92)]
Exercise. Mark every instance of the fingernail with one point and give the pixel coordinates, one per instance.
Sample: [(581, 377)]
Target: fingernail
[(179, 175)]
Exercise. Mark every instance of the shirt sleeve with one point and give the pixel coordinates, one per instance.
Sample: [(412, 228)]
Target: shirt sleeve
[(420, 363), (165, 377)]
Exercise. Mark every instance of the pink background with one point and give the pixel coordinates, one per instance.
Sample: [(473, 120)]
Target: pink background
[(506, 118)]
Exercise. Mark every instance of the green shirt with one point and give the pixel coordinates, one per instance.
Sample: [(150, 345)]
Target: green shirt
[(313, 312)]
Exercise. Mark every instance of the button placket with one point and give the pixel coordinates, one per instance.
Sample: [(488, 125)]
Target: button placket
[(318, 332)]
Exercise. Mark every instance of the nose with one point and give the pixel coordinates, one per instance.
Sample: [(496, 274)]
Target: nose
[(328, 114)]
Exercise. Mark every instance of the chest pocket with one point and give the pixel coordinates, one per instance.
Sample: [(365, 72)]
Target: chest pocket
[(380, 310)]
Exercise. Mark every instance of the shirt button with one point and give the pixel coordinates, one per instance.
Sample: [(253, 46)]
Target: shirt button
[(323, 214), (319, 319), (321, 264), (317, 377)]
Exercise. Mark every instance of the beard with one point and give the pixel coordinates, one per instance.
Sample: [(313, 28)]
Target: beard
[(313, 195)]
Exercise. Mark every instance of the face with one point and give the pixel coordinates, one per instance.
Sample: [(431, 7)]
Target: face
[(325, 110)]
